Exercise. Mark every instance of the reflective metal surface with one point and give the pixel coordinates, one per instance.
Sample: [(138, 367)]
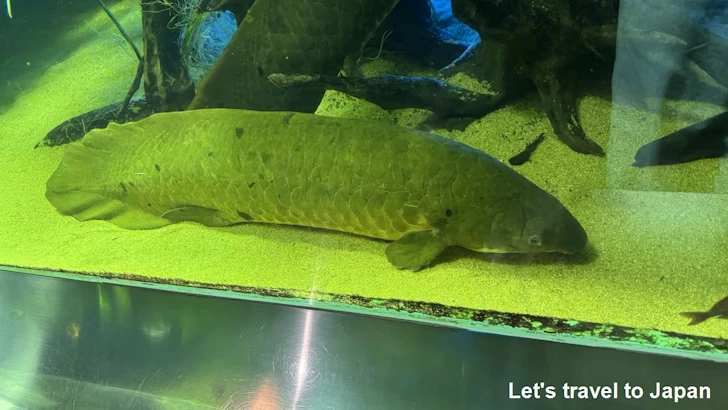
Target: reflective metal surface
[(81, 345)]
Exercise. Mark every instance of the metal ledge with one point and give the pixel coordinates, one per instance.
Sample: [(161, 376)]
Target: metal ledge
[(603, 335), (79, 344)]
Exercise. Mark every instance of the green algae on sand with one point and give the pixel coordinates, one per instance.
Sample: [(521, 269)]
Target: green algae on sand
[(665, 255)]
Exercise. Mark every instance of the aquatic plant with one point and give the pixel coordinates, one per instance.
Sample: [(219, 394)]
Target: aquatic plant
[(203, 34), (182, 11), (9, 8), (204, 39), (378, 50)]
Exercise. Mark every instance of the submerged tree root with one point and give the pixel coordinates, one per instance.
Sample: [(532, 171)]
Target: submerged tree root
[(75, 128), (394, 92), (167, 84)]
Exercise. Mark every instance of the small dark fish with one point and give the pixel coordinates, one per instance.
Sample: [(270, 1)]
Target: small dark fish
[(706, 139), (526, 154), (719, 310)]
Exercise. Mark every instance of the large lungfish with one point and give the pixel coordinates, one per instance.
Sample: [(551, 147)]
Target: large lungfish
[(221, 167)]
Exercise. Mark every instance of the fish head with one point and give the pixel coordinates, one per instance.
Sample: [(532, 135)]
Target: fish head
[(549, 227), (520, 223)]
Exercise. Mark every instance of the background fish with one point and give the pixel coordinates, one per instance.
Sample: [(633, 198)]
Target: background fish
[(706, 139), (220, 167), (525, 155), (720, 309)]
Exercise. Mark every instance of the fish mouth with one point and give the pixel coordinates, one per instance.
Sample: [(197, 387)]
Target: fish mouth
[(482, 249), (574, 239)]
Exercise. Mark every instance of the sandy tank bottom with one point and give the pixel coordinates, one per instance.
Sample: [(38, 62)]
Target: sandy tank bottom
[(657, 236)]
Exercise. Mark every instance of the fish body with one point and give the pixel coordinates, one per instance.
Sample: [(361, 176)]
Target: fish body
[(705, 139), (525, 155), (720, 309), (221, 167)]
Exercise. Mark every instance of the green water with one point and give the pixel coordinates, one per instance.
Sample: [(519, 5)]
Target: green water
[(657, 235)]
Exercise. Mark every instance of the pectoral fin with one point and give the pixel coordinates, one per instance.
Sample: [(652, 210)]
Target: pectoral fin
[(416, 250), (199, 214)]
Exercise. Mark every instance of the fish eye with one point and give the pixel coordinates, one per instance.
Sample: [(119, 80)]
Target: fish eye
[(534, 240)]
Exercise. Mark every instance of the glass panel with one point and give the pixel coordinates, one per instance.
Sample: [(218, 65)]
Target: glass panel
[(99, 346), (547, 168)]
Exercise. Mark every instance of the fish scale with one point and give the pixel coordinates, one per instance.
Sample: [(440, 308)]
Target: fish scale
[(187, 170)]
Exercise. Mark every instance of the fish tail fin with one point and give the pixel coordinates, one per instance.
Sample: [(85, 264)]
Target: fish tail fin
[(696, 317), (74, 189)]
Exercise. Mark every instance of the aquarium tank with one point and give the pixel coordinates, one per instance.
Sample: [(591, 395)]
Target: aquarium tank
[(548, 170)]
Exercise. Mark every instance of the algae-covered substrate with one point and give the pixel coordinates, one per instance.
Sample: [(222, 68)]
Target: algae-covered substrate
[(657, 236)]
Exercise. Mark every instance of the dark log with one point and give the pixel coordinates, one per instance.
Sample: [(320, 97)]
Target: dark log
[(542, 41), (167, 84), (75, 128), (558, 99), (393, 92)]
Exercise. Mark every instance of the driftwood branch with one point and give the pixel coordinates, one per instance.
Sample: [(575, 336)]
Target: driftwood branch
[(167, 84), (140, 68), (75, 128)]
